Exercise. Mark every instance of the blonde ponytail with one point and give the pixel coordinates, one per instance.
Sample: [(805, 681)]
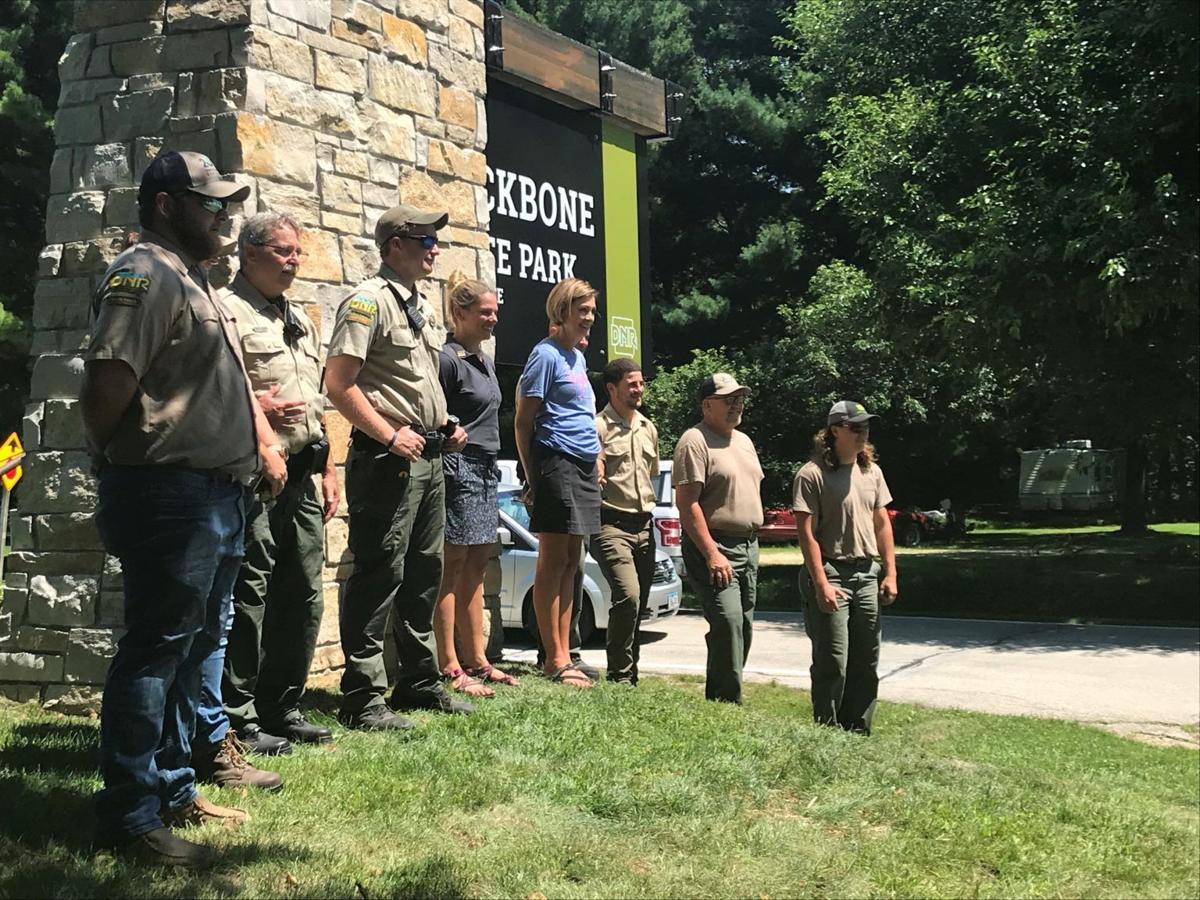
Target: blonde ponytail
[(462, 293)]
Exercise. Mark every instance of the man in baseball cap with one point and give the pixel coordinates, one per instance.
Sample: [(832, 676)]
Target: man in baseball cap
[(722, 384), (175, 432), (717, 475), (382, 375), (399, 221)]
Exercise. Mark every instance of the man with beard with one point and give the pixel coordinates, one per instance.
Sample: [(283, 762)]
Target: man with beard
[(717, 477), (625, 547), (255, 684), (382, 375), (172, 425)]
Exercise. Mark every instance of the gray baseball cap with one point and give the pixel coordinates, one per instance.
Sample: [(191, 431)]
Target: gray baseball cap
[(396, 219), (848, 411), (721, 384), (182, 170)]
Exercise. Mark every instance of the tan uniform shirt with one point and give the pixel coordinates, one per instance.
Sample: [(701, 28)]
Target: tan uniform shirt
[(272, 360), (156, 312), (630, 461), (842, 503), (728, 471), (399, 375)]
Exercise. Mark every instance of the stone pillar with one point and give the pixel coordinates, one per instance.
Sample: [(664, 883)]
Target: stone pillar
[(333, 110)]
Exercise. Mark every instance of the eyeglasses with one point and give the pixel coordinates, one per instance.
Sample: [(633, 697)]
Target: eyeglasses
[(285, 252), (736, 400), (856, 427), (428, 241)]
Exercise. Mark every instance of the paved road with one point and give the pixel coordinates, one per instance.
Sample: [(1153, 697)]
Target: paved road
[(1117, 675)]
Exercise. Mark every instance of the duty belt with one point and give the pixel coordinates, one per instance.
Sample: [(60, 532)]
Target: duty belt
[(435, 442)]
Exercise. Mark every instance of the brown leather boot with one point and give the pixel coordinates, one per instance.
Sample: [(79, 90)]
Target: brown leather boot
[(203, 812), (227, 766)]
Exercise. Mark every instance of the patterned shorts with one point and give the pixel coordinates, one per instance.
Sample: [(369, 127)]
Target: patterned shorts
[(471, 512)]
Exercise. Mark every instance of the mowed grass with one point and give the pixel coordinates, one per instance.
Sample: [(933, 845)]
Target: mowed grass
[(1084, 575), (648, 793)]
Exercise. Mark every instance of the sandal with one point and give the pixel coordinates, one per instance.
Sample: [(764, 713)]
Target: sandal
[(489, 673), (569, 674), (465, 684)]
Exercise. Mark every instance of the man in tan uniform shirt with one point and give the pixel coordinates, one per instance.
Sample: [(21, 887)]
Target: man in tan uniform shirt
[(171, 423), (624, 548), (277, 601), (717, 476), (382, 375)]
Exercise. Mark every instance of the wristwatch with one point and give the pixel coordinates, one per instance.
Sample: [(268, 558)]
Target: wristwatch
[(451, 423)]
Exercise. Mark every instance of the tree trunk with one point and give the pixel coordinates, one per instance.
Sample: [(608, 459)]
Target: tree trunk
[(1133, 504)]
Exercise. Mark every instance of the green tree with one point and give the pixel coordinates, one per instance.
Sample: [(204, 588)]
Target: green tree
[(1022, 178), (32, 37)]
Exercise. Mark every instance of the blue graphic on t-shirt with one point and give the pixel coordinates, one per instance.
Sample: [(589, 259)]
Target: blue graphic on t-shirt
[(567, 420)]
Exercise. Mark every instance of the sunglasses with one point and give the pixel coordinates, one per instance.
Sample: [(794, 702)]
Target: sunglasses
[(856, 427), (428, 241), (213, 205)]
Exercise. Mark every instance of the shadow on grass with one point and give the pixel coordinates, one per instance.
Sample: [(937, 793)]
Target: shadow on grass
[(47, 825)]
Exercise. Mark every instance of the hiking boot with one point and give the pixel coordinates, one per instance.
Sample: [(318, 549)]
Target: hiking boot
[(202, 812), (436, 698), (375, 718), (258, 741), (227, 766), (160, 847), (299, 730)]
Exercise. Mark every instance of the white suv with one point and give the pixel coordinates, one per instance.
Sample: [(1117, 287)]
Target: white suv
[(667, 529)]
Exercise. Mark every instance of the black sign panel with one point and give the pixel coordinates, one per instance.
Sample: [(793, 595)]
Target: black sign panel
[(546, 197)]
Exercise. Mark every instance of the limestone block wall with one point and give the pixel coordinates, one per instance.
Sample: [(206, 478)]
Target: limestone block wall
[(333, 110)]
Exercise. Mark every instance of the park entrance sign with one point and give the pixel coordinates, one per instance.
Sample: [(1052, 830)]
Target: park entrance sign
[(566, 182)]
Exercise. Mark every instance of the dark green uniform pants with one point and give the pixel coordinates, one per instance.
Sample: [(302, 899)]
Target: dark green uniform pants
[(729, 612), (277, 606), (845, 645), (397, 525), (624, 548)]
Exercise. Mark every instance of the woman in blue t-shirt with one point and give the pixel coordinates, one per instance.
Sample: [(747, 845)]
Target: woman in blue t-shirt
[(558, 445)]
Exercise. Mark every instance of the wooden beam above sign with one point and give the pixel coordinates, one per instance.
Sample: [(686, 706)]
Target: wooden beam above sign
[(544, 62)]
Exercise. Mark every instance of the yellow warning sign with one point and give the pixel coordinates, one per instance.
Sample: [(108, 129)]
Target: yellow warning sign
[(11, 453)]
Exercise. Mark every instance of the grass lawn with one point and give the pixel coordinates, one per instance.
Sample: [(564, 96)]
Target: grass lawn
[(1090, 574), (619, 793)]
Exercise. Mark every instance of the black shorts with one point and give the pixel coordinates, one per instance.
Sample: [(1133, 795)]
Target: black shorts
[(567, 499)]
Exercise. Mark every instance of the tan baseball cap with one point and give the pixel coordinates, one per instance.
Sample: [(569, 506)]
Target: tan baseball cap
[(182, 170), (721, 384), (398, 217)]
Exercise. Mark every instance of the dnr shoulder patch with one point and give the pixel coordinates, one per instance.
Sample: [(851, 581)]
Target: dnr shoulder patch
[(125, 287), (363, 305)]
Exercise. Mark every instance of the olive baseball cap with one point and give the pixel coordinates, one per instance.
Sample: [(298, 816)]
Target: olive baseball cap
[(721, 384), (396, 219), (848, 411), (182, 170)]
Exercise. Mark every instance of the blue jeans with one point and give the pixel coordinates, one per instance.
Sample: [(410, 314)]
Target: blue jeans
[(212, 723), (178, 535)]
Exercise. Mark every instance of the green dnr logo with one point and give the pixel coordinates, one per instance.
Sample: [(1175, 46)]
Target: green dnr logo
[(622, 338)]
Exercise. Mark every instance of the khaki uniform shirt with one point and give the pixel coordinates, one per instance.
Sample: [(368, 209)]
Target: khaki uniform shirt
[(842, 503), (271, 360), (156, 312), (728, 471), (630, 461), (399, 375)]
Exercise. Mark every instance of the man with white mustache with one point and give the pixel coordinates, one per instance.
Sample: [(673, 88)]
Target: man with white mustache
[(253, 687)]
